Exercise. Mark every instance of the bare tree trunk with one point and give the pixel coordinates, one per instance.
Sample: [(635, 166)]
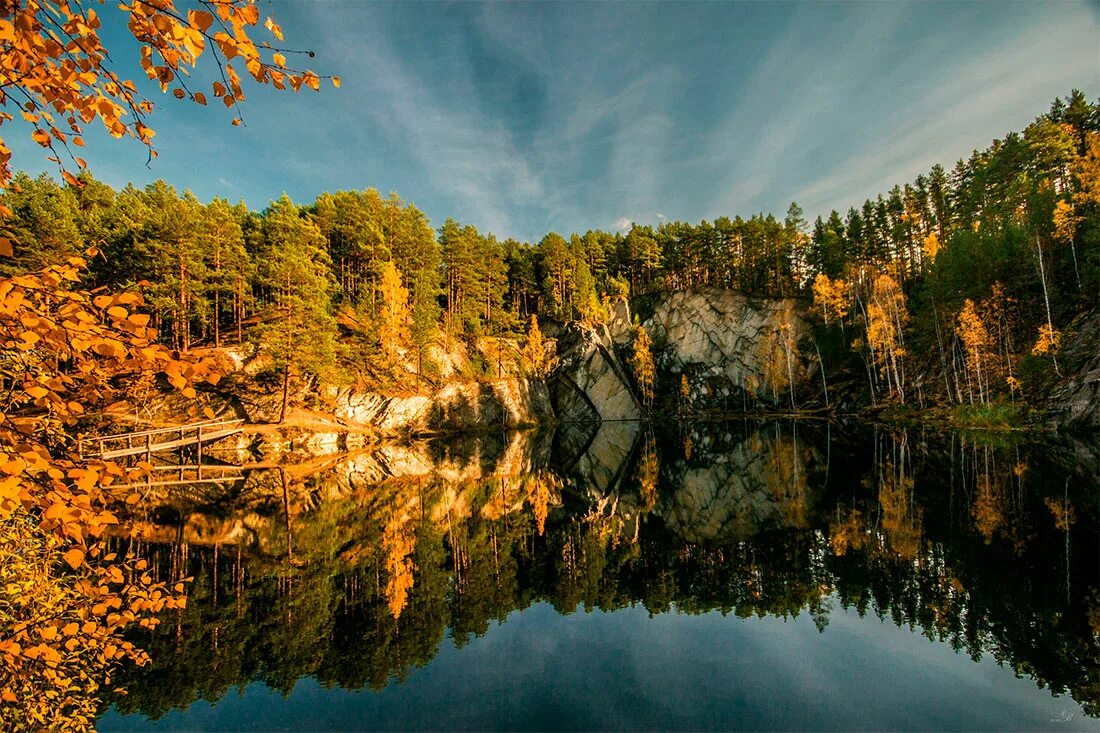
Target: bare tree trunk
[(1046, 300), (286, 393)]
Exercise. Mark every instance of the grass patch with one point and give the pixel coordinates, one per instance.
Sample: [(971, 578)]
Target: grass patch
[(992, 416)]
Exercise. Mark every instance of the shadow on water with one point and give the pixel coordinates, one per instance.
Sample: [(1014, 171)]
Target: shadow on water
[(353, 571)]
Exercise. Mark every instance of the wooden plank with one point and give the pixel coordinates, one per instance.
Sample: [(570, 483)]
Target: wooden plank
[(222, 480), (168, 445), (205, 467), (172, 429)]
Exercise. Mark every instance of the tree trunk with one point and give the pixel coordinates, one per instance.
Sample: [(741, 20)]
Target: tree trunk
[(1046, 300), (286, 393)]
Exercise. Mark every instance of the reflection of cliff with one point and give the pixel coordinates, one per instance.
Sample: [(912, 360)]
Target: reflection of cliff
[(596, 455), (735, 490), (964, 542), (330, 503)]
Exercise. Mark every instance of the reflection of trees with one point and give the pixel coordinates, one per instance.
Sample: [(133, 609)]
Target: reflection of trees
[(929, 533)]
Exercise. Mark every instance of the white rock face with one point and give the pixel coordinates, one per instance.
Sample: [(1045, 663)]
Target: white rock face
[(590, 382), (727, 344), (734, 350), (456, 406)]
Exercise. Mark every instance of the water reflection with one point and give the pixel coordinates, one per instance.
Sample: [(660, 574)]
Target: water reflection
[(353, 570)]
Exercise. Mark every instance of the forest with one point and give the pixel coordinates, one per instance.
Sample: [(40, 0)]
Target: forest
[(958, 284), (961, 287)]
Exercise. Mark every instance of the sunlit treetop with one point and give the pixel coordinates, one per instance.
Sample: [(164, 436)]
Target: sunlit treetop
[(56, 73)]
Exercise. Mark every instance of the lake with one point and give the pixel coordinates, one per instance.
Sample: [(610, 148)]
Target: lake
[(743, 575)]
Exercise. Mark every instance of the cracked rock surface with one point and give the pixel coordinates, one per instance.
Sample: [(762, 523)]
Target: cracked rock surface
[(725, 342), (1075, 402)]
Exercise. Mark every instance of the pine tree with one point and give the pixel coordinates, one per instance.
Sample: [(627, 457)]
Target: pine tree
[(293, 268), (170, 259), (44, 224), (226, 261)]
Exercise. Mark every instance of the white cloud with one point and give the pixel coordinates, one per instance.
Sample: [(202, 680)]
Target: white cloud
[(824, 113), (999, 91)]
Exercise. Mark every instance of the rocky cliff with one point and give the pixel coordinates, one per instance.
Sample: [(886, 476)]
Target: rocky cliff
[(731, 347), (733, 352), (460, 406), (1075, 401), (591, 381)]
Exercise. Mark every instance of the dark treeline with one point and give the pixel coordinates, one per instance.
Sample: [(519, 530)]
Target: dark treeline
[(948, 283)]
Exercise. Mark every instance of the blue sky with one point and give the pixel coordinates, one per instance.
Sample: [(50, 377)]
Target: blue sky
[(526, 118)]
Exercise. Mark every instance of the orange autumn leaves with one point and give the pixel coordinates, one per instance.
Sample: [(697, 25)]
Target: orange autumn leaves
[(58, 76), (62, 638), (103, 346), (66, 601)]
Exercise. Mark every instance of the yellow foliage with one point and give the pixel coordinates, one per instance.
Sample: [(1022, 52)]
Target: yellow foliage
[(974, 335), (1048, 342), (847, 533), (902, 518), (931, 247), (787, 478), (53, 55), (1063, 512), (887, 316), (641, 363), (393, 318), (62, 632), (535, 350), (398, 541), (1065, 221), (989, 507), (540, 500), (647, 473), (55, 503), (831, 296), (1088, 172)]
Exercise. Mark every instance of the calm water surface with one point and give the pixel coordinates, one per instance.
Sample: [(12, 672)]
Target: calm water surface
[(712, 576)]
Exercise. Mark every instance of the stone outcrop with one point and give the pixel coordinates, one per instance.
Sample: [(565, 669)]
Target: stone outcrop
[(736, 352), (1075, 402), (509, 403), (590, 382), (726, 344), (729, 345)]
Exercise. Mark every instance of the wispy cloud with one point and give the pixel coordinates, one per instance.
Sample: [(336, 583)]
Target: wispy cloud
[(528, 118), (994, 93)]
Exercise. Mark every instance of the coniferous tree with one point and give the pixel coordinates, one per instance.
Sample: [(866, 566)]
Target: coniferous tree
[(226, 262), (294, 269), (44, 222)]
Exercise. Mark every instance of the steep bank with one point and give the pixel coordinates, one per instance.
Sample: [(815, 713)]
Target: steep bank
[(715, 352), (1074, 403)]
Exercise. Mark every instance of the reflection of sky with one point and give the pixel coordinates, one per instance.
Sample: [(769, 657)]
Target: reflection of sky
[(624, 670)]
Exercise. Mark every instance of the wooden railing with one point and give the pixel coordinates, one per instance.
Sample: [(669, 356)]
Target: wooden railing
[(148, 442), (194, 473)]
